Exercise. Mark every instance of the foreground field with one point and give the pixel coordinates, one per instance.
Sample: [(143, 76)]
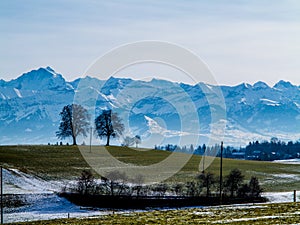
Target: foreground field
[(66, 162), (287, 213)]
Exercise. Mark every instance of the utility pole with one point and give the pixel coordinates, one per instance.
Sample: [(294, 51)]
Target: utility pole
[(221, 172), (1, 175), (91, 131), (203, 159)]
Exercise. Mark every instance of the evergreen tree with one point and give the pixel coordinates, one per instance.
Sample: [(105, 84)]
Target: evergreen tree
[(74, 122), (233, 181), (254, 187), (108, 124)]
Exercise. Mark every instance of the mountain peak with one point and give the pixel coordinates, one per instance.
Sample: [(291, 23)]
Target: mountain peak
[(114, 84), (283, 85), (42, 72), (242, 86), (260, 85), (160, 82), (39, 79), (48, 68)]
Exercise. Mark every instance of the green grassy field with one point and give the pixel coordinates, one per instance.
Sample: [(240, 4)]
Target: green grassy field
[(284, 213), (66, 162)]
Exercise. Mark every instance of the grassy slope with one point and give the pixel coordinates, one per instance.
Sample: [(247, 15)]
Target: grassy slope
[(66, 162), (287, 213)]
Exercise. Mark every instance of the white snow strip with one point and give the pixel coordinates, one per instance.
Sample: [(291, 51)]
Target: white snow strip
[(288, 161), (51, 71), (3, 96), (269, 102), (18, 93), (209, 86)]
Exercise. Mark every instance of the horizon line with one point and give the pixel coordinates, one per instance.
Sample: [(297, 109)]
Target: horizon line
[(152, 78)]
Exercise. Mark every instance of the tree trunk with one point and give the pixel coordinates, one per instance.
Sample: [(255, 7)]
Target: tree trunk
[(107, 140), (74, 140), (111, 188), (207, 191), (207, 186)]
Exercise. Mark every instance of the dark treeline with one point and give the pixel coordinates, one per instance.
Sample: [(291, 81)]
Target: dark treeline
[(264, 151), (205, 184), (116, 191), (273, 150)]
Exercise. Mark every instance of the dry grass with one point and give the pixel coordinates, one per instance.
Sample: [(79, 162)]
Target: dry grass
[(66, 162), (284, 213)]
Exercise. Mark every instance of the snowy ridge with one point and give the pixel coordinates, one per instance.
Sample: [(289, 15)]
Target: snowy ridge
[(32, 102)]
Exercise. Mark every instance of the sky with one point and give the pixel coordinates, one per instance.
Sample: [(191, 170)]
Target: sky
[(239, 40)]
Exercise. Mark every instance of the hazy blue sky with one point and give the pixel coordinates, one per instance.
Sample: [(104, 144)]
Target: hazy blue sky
[(241, 41)]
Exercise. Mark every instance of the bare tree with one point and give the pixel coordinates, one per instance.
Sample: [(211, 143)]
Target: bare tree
[(138, 181), (108, 124), (74, 122), (116, 182), (192, 189), (85, 182), (207, 180)]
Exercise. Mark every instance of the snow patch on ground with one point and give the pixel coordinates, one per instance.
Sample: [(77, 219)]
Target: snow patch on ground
[(278, 197), (42, 202), (278, 178), (17, 182), (288, 161), (46, 207)]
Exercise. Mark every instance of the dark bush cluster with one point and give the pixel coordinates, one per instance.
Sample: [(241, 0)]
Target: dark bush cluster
[(234, 186), (116, 183)]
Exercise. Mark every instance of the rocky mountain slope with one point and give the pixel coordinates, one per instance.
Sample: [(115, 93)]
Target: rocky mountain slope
[(158, 110)]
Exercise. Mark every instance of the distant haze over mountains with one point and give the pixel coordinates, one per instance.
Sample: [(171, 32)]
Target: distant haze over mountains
[(30, 107)]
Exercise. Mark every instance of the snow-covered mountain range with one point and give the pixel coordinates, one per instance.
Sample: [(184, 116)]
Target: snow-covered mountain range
[(30, 107)]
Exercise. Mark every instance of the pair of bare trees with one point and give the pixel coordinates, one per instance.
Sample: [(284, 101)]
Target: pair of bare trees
[(75, 121)]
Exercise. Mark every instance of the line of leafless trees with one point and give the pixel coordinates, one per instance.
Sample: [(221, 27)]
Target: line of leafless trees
[(205, 184)]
